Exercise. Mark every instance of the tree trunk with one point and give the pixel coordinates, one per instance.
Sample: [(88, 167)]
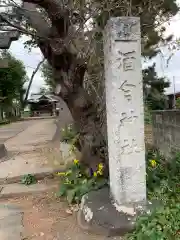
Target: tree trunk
[(93, 145), (69, 68)]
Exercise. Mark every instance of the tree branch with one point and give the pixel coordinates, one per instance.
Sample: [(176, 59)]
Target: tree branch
[(36, 20), (16, 26), (31, 80), (58, 14)]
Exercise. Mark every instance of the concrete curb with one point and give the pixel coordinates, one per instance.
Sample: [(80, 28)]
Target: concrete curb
[(16, 190), (3, 151), (35, 118), (38, 176)]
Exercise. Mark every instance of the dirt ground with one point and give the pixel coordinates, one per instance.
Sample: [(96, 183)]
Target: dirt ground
[(46, 217)]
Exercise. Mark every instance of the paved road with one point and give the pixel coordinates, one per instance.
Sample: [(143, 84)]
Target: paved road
[(22, 137), (10, 130), (39, 132)]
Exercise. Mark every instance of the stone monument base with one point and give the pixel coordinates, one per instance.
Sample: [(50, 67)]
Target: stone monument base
[(3, 151), (99, 215)]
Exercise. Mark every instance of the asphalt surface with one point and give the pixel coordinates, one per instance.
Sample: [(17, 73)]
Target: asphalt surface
[(11, 130)]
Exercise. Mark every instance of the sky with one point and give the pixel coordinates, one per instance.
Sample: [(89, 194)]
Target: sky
[(32, 58)]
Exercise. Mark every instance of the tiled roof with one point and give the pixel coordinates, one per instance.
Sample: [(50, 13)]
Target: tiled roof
[(36, 97)]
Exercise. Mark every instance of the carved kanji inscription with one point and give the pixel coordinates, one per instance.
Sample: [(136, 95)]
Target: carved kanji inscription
[(129, 146), (127, 88), (127, 60), (128, 117)]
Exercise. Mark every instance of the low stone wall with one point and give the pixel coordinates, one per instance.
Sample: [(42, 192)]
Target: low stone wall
[(166, 131)]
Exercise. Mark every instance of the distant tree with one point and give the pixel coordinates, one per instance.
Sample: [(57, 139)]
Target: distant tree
[(154, 89), (12, 80), (178, 103)]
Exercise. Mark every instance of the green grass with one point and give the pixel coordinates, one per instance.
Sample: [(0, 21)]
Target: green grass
[(163, 186), (4, 122)]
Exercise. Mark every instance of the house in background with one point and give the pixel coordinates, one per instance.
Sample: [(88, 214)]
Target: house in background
[(48, 104), (170, 103), (43, 104)]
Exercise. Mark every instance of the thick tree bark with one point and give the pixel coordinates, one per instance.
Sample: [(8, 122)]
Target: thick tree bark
[(84, 113), (93, 146), (69, 70)]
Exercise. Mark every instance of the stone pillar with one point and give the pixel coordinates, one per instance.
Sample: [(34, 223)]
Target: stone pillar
[(114, 211), (125, 113)]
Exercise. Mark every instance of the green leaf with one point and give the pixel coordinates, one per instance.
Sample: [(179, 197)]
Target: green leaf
[(70, 195), (84, 189), (28, 179), (63, 189)]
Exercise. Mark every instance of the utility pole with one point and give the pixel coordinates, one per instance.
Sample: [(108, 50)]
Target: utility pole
[(174, 86)]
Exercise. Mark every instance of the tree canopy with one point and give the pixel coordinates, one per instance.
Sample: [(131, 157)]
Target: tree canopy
[(154, 89), (12, 79)]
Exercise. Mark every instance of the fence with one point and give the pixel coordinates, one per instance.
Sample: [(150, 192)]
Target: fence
[(166, 131)]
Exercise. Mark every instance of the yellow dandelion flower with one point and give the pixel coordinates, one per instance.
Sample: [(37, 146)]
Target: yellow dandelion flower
[(76, 161), (100, 166), (99, 172), (153, 163), (61, 174), (95, 174)]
